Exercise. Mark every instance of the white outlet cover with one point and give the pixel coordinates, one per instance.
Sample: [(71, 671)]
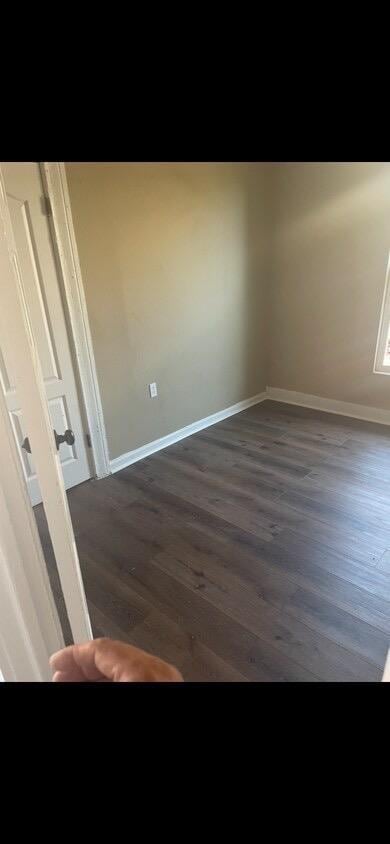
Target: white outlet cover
[(153, 390)]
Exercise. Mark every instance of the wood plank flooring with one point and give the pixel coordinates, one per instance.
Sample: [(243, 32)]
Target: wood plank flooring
[(255, 550)]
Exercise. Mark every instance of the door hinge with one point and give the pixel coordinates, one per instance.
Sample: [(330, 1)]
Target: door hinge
[(88, 438), (46, 206)]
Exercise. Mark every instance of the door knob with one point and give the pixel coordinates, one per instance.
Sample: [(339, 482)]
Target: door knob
[(67, 437), (26, 445)]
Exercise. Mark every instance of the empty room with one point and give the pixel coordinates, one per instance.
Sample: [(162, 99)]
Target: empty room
[(195, 411)]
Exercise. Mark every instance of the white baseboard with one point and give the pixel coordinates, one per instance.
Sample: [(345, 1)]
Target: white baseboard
[(342, 408), (124, 460)]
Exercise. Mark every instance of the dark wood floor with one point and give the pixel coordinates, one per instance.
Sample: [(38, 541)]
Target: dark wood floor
[(258, 549)]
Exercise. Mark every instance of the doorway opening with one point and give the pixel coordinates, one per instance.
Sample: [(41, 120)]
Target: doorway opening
[(36, 196)]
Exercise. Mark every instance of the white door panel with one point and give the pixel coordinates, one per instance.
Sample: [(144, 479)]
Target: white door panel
[(41, 290), (16, 520)]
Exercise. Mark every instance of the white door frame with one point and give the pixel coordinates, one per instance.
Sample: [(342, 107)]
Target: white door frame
[(56, 188), (18, 338)]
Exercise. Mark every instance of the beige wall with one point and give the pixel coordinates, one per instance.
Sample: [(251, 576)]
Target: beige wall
[(172, 260), (330, 239), (217, 279)]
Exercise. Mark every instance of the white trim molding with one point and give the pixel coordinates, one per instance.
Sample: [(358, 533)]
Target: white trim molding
[(380, 367), (54, 177), (150, 448), (342, 408), (386, 673)]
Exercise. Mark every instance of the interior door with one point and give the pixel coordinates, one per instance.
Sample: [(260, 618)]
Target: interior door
[(19, 344), (41, 290)]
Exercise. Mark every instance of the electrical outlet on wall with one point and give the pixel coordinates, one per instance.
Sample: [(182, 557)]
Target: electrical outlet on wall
[(153, 390)]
